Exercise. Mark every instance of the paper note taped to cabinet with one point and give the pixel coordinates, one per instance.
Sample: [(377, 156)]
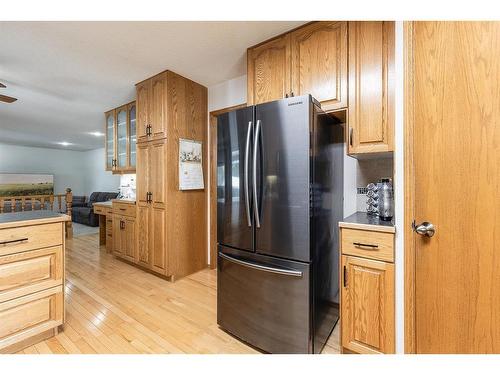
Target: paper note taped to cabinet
[(190, 165)]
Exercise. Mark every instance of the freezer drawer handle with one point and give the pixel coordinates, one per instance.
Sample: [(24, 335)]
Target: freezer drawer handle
[(259, 267)]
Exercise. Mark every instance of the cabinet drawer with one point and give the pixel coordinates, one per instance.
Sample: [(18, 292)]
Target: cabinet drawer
[(108, 211), (15, 240), (99, 210), (30, 315), (30, 271), (124, 209), (368, 244)]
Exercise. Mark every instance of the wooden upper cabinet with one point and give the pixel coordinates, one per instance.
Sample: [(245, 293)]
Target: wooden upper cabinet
[(143, 91), (367, 305), (158, 106), (132, 144), (109, 140), (120, 141), (319, 63), (268, 71), (122, 131), (371, 87)]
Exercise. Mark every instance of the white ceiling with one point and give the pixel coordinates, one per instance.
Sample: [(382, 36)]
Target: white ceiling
[(66, 74)]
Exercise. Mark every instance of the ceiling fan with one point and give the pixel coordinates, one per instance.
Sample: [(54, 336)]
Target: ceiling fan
[(4, 98)]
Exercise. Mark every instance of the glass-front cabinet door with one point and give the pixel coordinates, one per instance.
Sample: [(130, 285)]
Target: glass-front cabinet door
[(121, 138), (110, 140), (132, 135)]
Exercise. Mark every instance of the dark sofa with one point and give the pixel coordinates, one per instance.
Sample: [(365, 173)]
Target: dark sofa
[(83, 211)]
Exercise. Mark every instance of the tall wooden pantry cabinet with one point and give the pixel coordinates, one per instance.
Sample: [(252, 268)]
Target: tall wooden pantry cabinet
[(172, 223)]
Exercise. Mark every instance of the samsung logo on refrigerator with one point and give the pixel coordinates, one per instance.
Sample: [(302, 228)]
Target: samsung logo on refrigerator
[(294, 103)]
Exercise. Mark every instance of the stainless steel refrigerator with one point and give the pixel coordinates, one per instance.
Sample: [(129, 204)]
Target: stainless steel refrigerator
[(279, 199)]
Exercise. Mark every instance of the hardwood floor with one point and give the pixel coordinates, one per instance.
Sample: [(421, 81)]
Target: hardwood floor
[(112, 307)]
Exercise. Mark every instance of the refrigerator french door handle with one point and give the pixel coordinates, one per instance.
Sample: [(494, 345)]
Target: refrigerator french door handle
[(260, 267), (247, 151), (254, 173)]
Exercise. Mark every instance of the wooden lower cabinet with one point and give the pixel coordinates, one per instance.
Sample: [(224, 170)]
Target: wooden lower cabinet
[(367, 305), (124, 237), (143, 223), (151, 245), (158, 244), (31, 281)]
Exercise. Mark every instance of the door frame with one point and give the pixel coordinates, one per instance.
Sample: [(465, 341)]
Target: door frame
[(410, 346), (212, 131)]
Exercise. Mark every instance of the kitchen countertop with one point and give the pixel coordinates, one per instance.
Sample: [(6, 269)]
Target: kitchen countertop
[(361, 220), (105, 204), (17, 219), (129, 201)]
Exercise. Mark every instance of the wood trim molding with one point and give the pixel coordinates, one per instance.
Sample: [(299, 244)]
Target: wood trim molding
[(409, 178), (213, 180)]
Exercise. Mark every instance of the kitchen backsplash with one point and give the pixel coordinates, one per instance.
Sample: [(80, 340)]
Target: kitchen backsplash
[(127, 186), (370, 170)]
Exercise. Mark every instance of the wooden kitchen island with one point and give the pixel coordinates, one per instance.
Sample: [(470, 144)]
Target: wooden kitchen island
[(32, 277)]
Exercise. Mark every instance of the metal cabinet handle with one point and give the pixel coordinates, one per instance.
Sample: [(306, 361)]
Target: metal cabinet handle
[(280, 271), (350, 136), (14, 241), (425, 229), (247, 151), (345, 277), (359, 244), (254, 172)]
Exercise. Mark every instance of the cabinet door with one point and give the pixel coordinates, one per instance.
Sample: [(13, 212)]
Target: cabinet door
[(143, 172), (143, 91), (110, 139), (129, 238), (157, 173), (121, 138), (319, 63), (132, 152), (158, 245), (117, 235), (143, 223), (268, 71), (371, 87), (158, 102), (367, 305)]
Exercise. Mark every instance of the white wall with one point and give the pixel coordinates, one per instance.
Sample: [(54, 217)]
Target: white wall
[(227, 94), (65, 165), (82, 171), (96, 178)]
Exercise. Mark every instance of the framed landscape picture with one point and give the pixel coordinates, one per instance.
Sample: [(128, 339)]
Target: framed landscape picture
[(16, 184)]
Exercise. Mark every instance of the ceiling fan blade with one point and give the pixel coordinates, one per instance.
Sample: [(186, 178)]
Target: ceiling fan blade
[(2, 85), (7, 99)]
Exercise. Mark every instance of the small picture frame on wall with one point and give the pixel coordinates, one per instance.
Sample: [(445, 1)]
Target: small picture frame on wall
[(190, 165)]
